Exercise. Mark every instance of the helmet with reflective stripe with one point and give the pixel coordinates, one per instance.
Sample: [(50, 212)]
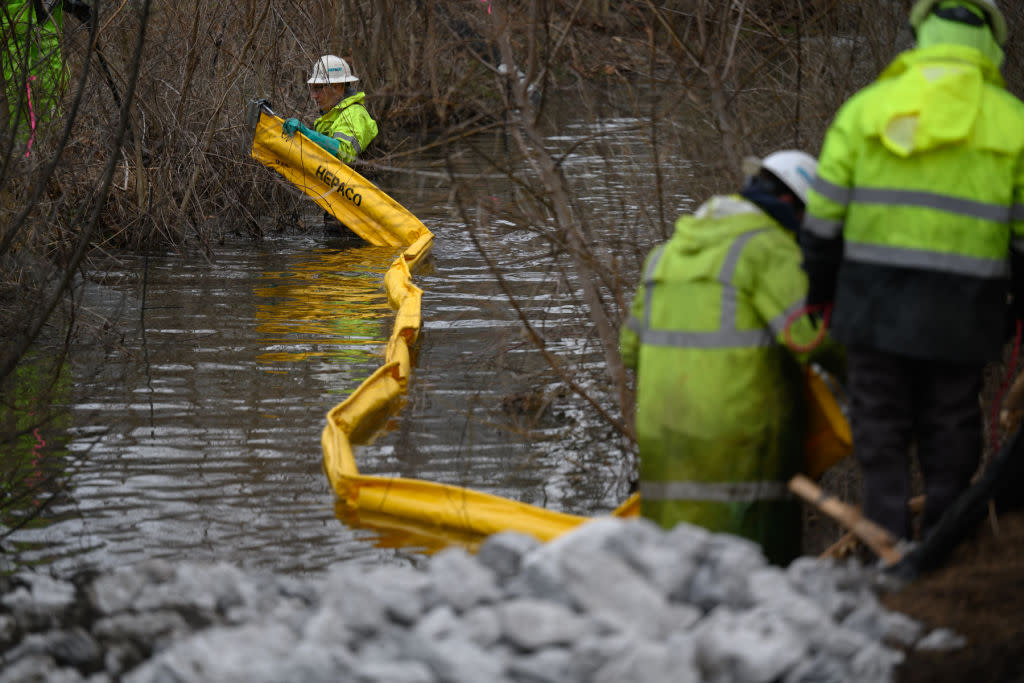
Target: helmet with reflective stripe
[(331, 69), (996, 20), (794, 168)]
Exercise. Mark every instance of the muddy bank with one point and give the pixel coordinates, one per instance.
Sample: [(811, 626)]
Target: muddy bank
[(977, 593)]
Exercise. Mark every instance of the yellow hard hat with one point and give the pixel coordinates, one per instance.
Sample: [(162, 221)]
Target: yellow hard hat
[(996, 20)]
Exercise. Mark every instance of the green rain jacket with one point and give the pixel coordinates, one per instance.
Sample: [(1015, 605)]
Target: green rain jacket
[(350, 124), (32, 63), (918, 201), (719, 403)]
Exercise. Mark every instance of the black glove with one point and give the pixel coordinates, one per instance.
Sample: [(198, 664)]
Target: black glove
[(821, 263), (820, 294)]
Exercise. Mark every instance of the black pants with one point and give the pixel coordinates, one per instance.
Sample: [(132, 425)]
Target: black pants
[(896, 400)]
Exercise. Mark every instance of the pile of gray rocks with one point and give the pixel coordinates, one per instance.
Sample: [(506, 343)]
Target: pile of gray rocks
[(613, 601)]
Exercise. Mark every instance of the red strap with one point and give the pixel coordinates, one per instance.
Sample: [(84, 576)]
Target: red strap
[(826, 317), (31, 115)]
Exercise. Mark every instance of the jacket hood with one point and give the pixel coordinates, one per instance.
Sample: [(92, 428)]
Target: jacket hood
[(936, 30), (704, 228), (349, 98), (934, 97)]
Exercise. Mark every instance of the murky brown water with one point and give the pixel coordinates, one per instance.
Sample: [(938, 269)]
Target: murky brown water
[(195, 431)]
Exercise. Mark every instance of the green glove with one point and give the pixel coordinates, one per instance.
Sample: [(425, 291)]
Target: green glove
[(290, 126), (328, 143)]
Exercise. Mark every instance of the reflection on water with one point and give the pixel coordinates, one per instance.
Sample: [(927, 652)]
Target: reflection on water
[(406, 534), (330, 305), (198, 435), (31, 467)]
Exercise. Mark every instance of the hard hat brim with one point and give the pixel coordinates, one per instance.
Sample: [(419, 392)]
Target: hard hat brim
[(331, 69), (343, 79)]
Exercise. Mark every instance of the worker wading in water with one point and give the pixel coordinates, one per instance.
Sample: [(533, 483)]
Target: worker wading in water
[(719, 403), (915, 229), (344, 128)]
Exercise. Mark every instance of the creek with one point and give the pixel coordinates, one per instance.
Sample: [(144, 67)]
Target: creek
[(193, 430)]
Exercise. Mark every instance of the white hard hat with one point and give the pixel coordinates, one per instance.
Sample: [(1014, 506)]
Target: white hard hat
[(922, 8), (331, 69), (794, 168)]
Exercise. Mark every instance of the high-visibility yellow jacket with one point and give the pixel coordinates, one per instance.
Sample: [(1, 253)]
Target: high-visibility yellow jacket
[(33, 68), (350, 124), (920, 197), (719, 403)]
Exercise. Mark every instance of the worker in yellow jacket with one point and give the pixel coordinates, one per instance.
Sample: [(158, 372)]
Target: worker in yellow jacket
[(915, 229), (344, 128), (719, 403)]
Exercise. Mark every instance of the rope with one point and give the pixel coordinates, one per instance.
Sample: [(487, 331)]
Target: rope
[(998, 402), (826, 317), (31, 116)]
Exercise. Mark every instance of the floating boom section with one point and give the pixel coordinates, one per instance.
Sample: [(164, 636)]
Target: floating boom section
[(431, 507), (337, 188)]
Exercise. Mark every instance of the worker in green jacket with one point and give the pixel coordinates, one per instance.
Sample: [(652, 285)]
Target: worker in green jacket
[(719, 402), (915, 230), (33, 69), (344, 128), (34, 72)]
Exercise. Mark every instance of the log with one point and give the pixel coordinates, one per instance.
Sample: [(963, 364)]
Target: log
[(844, 546), (870, 534)]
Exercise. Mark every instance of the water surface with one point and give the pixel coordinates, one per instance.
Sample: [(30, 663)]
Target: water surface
[(193, 430)]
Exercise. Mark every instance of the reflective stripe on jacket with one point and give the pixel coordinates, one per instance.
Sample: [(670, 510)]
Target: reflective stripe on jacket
[(920, 194), (718, 397), (350, 124)]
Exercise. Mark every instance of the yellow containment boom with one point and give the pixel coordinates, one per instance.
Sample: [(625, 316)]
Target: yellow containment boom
[(352, 199), (440, 511), (827, 439), (428, 505)]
